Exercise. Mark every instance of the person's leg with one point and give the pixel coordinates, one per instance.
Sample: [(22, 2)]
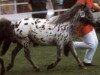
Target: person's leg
[(90, 42)]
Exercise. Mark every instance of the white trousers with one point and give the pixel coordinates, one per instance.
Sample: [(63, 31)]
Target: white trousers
[(90, 42)]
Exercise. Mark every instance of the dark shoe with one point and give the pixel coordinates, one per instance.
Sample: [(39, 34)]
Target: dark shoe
[(88, 64)]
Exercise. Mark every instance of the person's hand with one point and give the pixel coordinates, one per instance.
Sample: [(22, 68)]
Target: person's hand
[(50, 13)]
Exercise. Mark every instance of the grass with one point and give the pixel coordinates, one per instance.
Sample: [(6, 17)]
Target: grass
[(45, 55)]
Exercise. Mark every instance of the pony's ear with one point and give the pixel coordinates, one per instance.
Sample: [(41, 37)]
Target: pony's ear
[(84, 6)]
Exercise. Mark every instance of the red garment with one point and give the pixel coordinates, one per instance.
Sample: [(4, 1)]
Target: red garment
[(84, 29), (88, 2)]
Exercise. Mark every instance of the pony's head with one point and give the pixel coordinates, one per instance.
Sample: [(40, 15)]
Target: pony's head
[(84, 16), (75, 13), (87, 16)]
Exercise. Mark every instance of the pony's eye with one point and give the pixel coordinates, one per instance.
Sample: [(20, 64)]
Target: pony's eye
[(82, 14)]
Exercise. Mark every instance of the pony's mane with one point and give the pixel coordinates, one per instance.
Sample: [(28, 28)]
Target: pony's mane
[(55, 19), (69, 14)]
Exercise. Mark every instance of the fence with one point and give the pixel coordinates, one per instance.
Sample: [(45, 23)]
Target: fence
[(17, 14), (13, 7)]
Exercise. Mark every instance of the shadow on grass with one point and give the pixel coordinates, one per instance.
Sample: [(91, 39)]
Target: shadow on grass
[(59, 70)]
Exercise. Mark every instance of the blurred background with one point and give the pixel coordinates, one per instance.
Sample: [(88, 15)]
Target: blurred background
[(15, 10)]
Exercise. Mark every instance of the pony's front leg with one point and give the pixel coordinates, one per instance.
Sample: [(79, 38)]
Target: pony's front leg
[(27, 55), (13, 55), (1, 40), (74, 53), (59, 54), (2, 67)]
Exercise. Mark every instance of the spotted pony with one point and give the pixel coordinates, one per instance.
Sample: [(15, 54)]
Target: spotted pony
[(47, 32)]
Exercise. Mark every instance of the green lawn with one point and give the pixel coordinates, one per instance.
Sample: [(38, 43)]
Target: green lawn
[(45, 55)]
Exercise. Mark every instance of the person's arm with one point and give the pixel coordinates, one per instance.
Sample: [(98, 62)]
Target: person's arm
[(96, 6), (50, 11), (29, 5), (49, 5)]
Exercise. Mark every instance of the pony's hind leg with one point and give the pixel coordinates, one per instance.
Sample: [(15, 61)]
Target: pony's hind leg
[(59, 54), (13, 55), (74, 53)]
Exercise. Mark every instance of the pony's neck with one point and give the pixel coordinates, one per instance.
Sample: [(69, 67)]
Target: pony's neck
[(69, 14), (74, 10)]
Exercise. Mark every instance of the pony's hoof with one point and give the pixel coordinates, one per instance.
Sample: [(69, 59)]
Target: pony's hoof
[(9, 67), (82, 67), (38, 69), (50, 66)]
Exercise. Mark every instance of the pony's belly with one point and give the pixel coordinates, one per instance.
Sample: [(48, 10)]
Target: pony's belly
[(43, 39)]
